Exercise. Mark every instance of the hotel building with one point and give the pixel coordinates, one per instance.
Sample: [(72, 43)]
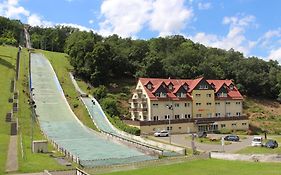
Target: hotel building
[(186, 106)]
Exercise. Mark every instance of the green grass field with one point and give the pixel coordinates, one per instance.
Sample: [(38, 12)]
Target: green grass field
[(62, 68), (209, 167), (28, 161), (7, 70)]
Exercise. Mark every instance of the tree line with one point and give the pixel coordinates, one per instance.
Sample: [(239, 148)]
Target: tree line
[(11, 32), (99, 59)]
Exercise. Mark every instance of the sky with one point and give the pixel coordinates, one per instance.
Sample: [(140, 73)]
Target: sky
[(252, 27)]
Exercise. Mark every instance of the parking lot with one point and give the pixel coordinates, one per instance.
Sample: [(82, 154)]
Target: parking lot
[(185, 141)]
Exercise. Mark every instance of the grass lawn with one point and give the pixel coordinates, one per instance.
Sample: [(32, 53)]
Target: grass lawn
[(62, 68), (209, 167), (262, 150), (7, 71), (28, 161)]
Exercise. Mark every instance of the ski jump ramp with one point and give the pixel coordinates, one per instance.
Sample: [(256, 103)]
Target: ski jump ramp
[(61, 126)]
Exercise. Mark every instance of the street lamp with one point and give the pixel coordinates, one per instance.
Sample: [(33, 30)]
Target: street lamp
[(170, 107)]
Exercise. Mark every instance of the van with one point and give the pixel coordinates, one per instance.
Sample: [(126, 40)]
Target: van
[(257, 141)]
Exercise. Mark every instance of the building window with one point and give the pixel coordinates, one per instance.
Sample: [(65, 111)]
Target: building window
[(177, 116), (198, 104), (185, 87), (188, 115), (167, 117), (155, 105), (179, 127), (218, 114), (238, 102), (197, 95), (170, 87), (209, 104), (222, 94), (244, 124), (222, 125), (238, 113), (185, 116), (155, 118), (218, 103), (203, 87), (231, 87), (171, 128), (157, 94), (227, 103), (228, 114), (186, 104), (144, 117), (198, 115), (209, 115), (163, 94), (233, 124), (177, 105), (208, 95)]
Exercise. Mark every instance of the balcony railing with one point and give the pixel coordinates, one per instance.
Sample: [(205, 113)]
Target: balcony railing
[(138, 109), (138, 100)]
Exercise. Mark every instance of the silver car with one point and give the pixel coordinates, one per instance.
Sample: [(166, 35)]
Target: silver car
[(162, 133)]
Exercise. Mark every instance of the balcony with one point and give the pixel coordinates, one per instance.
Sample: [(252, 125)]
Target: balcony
[(138, 100), (138, 109)]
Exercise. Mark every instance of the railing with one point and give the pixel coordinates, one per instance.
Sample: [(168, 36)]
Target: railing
[(191, 120), (138, 100)]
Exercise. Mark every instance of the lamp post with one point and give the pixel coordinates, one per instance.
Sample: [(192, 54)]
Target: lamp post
[(170, 107)]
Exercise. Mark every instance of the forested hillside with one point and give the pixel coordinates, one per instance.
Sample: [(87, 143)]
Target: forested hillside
[(11, 31), (99, 59)]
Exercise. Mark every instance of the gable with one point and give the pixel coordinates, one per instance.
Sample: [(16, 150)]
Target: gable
[(203, 85)]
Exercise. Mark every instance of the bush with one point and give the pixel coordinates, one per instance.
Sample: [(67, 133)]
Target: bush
[(110, 106), (121, 125), (223, 131), (100, 92)]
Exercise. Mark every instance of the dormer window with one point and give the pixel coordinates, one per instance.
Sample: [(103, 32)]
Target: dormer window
[(170, 86), (149, 86), (181, 95), (203, 87), (231, 87), (185, 86)]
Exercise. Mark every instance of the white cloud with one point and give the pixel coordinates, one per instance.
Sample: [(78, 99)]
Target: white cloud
[(275, 55), (127, 18), (235, 37), (11, 9), (169, 18), (91, 21), (36, 20), (80, 27), (204, 6)]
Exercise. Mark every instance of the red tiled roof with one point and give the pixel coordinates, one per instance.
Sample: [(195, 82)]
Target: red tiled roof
[(177, 83)]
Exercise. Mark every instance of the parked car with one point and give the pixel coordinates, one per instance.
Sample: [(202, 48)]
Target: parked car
[(162, 133), (233, 138), (257, 141), (271, 144), (202, 134)]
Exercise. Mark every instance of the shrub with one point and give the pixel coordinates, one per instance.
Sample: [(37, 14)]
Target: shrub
[(110, 106), (115, 120), (100, 92)]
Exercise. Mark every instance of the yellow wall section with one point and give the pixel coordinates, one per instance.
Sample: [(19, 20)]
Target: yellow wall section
[(203, 109)]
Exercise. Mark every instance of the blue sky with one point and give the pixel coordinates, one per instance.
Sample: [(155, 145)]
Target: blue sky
[(250, 26)]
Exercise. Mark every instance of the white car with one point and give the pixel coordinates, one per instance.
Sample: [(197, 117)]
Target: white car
[(257, 141), (162, 133)]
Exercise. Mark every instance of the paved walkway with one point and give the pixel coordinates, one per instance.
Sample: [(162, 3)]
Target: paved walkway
[(12, 159), (181, 139)]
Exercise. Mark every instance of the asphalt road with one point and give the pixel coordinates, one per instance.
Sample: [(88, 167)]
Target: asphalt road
[(185, 141)]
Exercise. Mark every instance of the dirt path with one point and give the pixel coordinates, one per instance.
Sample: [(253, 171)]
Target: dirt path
[(12, 159)]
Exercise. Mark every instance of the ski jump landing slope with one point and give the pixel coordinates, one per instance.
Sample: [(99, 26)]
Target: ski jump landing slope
[(61, 125)]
